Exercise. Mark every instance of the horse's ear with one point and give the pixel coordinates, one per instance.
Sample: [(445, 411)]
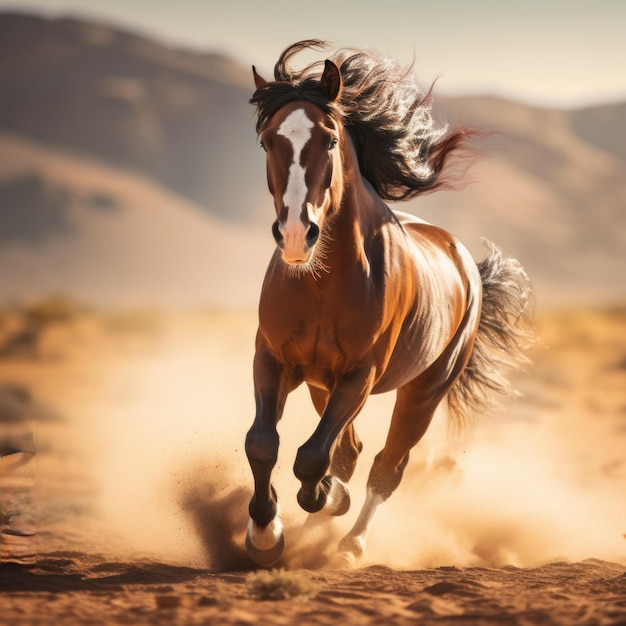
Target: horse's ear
[(330, 82), (259, 81)]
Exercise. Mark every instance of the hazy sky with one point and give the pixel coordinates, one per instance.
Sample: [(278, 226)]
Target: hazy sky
[(553, 52)]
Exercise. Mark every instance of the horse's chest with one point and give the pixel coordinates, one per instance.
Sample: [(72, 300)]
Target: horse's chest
[(320, 345), (316, 344)]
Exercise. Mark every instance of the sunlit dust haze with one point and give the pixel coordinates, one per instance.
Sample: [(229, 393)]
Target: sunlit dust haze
[(541, 480), (135, 226)]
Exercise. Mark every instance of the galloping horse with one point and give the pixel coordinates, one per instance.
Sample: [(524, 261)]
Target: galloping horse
[(360, 299)]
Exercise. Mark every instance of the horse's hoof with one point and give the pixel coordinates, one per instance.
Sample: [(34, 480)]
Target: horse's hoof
[(338, 498), (338, 560), (343, 560), (265, 558), (351, 548)]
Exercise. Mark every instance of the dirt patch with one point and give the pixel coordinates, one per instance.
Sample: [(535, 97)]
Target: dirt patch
[(133, 475)]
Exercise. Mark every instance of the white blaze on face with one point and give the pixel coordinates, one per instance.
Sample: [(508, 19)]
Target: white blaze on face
[(296, 127)]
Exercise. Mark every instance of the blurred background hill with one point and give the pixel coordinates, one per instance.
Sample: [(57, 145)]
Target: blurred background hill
[(129, 174)]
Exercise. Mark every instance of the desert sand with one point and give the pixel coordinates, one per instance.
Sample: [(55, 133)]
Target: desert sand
[(124, 485)]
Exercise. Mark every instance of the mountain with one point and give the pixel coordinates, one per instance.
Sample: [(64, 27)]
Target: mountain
[(129, 173), (602, 126), (178, 117), (550, 189), (110, 237)]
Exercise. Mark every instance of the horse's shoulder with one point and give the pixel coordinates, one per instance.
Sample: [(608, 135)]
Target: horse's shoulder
[(408, 219), (420, 229)]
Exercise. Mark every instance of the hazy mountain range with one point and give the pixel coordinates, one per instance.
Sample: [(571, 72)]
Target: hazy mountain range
[(130, 174)]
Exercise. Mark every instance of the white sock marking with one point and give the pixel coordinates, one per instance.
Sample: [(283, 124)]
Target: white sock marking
[(335, 497), (265, 538), (366, 517)]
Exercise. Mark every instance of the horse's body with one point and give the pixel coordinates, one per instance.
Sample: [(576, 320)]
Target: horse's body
[(357, 299)]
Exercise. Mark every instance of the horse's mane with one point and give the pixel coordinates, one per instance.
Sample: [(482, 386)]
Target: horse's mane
[(400, 148)]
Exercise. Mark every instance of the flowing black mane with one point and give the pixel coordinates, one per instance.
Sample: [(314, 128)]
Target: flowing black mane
[(401, 151)]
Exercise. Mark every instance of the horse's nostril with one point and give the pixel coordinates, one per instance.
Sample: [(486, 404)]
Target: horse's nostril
[(312, 235), (278, 236)]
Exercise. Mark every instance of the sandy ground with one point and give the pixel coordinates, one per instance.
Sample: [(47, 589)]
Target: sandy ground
[(128, 506)]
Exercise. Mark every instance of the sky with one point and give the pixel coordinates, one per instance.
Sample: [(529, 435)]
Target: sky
[(546, 52)]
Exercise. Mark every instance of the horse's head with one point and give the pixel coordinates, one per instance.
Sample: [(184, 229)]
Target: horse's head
[(302, 141)]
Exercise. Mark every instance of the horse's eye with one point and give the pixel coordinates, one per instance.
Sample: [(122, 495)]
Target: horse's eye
[(263, 145), (332, 143)]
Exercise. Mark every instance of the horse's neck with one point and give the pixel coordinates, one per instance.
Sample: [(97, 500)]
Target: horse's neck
[(345, 253), (361, 213)]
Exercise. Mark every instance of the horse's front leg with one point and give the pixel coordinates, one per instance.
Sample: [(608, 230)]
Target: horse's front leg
[(319, 491), (264, 539)]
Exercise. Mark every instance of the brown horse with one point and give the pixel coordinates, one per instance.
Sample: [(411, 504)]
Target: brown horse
[(357, 298)]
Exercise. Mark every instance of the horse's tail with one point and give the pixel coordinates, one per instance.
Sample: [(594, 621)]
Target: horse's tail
[(505, 332)]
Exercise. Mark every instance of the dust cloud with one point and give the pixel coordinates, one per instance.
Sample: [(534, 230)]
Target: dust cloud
[(543, 480)]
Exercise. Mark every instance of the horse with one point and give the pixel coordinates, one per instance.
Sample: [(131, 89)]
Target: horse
[(360, 299)]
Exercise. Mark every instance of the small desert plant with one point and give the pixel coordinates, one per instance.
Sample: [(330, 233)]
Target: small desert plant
[(53, 308), (279, 584)]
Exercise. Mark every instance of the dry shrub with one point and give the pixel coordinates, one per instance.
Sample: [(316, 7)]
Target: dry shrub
[(53, 308), (279, 584)]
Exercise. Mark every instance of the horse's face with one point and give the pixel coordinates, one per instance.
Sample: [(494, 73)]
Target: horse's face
[(304, 174)]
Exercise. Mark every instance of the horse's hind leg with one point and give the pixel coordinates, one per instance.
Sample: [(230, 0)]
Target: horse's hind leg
[(415, 406), (411, 417), (346, 454)]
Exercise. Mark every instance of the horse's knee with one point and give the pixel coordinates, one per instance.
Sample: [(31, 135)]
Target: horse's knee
[(262, 446)]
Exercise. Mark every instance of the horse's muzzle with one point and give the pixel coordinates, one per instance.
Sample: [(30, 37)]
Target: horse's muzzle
[(296, 242)]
